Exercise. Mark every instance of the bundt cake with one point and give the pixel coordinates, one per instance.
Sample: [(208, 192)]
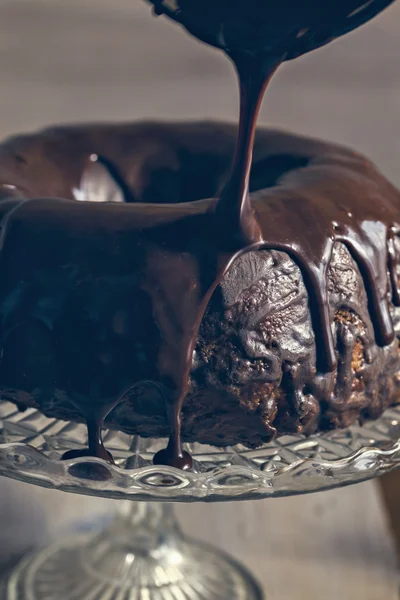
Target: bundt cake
[(109, 241)]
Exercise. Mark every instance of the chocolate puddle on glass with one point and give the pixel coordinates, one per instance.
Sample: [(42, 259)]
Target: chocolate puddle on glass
[(181, 252)]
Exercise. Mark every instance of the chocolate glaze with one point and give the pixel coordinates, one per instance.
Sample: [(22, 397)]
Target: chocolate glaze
[(181, 253)]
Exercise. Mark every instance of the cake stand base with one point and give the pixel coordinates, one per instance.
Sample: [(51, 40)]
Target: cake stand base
[(142, 555)]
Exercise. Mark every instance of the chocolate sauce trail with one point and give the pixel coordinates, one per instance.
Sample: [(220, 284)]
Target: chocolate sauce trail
[(393, 265), (236, 228), (233, 208)]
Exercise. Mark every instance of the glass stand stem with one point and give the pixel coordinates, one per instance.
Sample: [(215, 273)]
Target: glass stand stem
[(141, 555)]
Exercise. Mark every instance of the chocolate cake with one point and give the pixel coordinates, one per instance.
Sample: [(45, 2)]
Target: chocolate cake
[(78, 326)]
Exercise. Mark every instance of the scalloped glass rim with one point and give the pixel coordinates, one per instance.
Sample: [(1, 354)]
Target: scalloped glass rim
[(31, 446)]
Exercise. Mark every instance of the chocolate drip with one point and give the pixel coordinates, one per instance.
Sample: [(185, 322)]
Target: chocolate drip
[(95, 443), (235, 224), (393, 267), (94, 415), (180, 286)]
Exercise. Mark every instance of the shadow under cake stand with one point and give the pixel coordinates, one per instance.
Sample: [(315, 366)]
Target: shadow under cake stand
[(143, 555)]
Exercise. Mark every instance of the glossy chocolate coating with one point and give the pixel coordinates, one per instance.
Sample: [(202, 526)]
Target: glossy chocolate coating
[(81, 320)]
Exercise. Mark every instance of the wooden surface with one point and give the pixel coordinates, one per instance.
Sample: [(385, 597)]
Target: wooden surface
[(107, 59), (389, 486)]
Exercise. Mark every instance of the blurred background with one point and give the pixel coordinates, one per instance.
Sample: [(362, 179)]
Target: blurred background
[(79, 60)]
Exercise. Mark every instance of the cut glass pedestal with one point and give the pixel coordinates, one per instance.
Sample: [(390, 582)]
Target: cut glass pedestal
[(143, 555)]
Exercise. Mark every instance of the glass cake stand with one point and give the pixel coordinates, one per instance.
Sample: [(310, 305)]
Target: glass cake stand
[(143, 555)]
